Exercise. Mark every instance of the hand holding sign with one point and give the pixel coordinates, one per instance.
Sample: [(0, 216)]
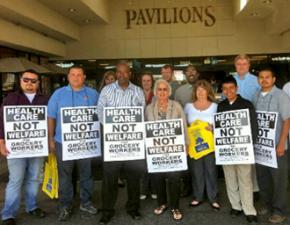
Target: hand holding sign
[(25, 131), (209, 127), (80, 133), (165, 146), (265, 146), (233, 138)]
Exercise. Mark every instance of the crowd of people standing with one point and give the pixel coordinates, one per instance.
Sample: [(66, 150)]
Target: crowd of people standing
[(163, 99)]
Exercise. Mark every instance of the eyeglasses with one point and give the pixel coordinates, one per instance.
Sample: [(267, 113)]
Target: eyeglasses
[(26, 80)]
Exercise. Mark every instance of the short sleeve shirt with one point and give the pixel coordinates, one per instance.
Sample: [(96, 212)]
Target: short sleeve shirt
[(206, 115), (275, 101), (248, 86), (66, 97)]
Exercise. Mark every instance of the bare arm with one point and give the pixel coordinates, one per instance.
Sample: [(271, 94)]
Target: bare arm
[(280, 149), (51, 129), (3, 149)]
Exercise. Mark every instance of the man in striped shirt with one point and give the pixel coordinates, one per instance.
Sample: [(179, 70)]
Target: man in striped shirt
[(118, 94)]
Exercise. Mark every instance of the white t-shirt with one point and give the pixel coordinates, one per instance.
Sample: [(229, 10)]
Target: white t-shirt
[(30, 96), (206, 115)]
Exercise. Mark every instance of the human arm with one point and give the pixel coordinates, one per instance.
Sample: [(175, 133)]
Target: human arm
[(3, 148), (51, 129), (283, 107), (102, 102), (280, 148)]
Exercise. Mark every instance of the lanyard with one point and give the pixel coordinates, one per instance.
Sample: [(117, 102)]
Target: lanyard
[(86, 97)]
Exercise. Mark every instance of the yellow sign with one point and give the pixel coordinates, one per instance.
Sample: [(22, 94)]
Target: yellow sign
[(201, 140)]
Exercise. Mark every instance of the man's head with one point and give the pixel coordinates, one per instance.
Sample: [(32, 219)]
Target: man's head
[(76, 77), (242, 64), (266, 79), (191, 74), (29, 81), (123, 73), (230, 88), (167, 72)]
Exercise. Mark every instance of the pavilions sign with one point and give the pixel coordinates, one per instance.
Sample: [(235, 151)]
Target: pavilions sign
[(175, 15)]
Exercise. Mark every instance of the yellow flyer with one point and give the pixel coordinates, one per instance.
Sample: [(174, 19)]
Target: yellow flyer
[(201, 139)]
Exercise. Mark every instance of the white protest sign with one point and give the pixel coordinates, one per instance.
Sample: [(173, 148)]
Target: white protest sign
[(80, 131), (265, 148), (26, 131), (233, 138), (123, 133), (165, 146)]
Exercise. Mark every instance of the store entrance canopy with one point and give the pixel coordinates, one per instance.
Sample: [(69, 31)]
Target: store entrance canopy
[(17, 65)]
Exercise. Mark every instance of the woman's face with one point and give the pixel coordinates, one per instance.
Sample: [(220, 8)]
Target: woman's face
[(146, 82), (201, 93), (109, 79), (162, 92)]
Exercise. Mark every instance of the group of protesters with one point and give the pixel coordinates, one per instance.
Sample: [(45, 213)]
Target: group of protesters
[(161, 100)]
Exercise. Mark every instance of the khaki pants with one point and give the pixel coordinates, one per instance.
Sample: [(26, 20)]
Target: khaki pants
[(240, 187)]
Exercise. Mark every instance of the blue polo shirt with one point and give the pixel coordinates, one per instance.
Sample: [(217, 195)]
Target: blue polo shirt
[(247, 87), (66, 97)]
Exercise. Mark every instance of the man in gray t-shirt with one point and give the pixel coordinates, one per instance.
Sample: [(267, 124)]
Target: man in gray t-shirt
[(184, 93), (273, 182)]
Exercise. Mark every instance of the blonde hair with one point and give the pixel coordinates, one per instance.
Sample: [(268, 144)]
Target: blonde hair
[(242, 56), (106, 75), (206, 86), (163, 82)]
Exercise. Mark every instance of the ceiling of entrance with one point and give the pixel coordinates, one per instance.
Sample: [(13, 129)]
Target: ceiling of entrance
[(76, 10), (54, 23)]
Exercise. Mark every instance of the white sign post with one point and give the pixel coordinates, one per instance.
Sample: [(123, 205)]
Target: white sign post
[(80, 133), (265, 148), (123, 133), (26, 131), (233, 138), (165, 146)]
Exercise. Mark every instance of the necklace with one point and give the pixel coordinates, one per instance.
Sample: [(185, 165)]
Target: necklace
[(162, 106)]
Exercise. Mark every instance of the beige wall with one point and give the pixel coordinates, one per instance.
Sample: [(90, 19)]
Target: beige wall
[(19, 37), (229, 35)]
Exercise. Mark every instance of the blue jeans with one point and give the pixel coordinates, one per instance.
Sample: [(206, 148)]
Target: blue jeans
[(65, 189), (25, 172)]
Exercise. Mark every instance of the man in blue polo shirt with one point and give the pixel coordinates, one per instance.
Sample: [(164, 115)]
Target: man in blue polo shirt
[(248, 84), (74, 95)]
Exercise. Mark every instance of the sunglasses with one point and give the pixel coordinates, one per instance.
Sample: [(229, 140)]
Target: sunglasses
[(26, 80)]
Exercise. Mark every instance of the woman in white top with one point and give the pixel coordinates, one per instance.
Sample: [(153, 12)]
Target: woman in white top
[(203, 170)]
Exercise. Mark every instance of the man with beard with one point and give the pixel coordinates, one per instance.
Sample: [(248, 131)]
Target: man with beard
[(23, 172), (273, 181), (184, 93)]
